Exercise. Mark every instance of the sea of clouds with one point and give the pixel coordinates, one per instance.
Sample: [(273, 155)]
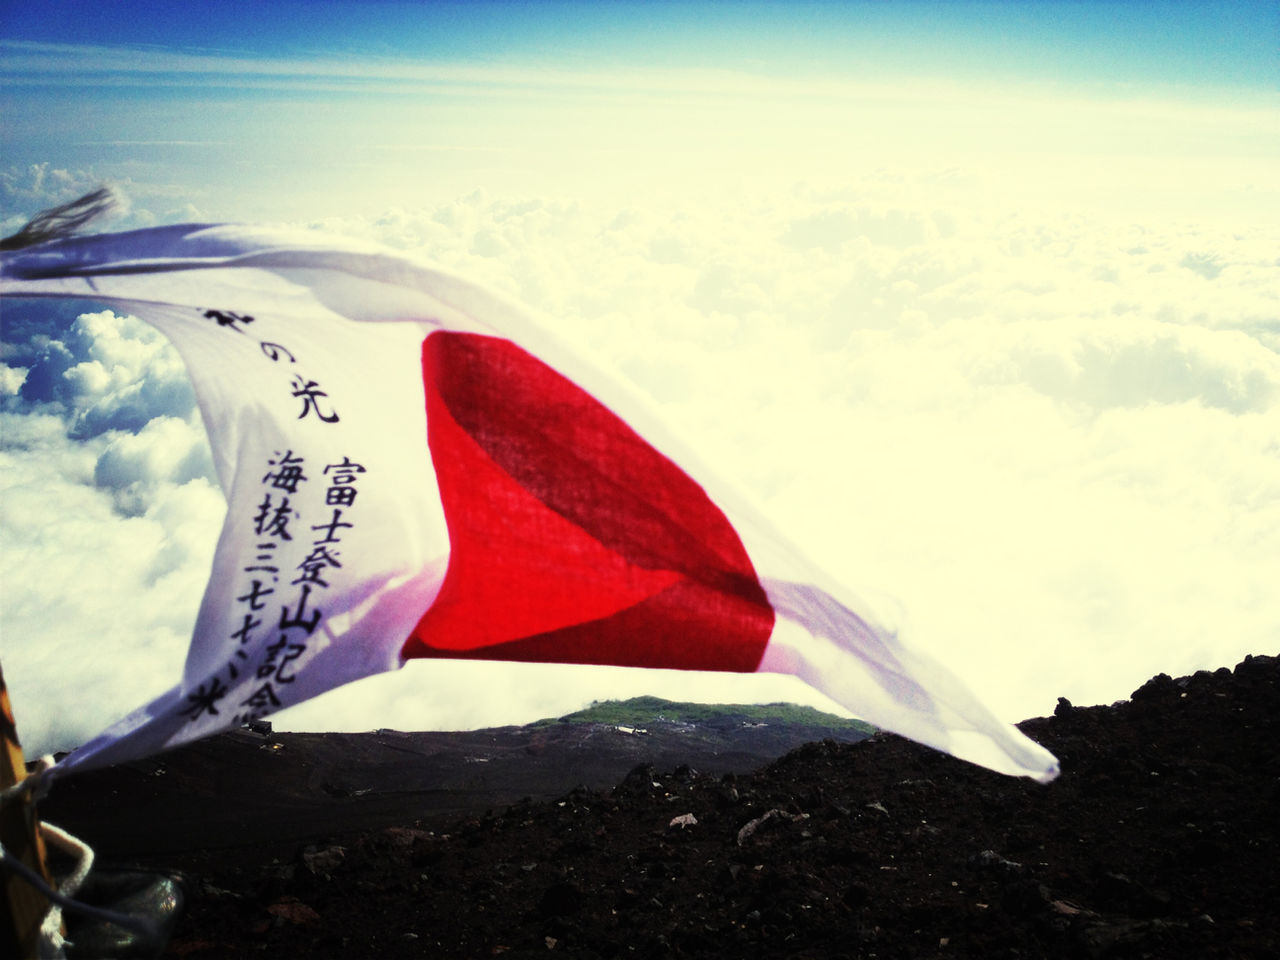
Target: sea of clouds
[(1051, 433)]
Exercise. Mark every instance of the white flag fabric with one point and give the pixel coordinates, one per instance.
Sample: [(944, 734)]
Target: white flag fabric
[(415, 467)]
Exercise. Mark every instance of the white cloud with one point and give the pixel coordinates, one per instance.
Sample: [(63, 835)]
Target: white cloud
[(165, 451), (108, 373), (1055, 460), (1135, 362), (1054, 443), (97, 607), (108, 519), (11, 380)]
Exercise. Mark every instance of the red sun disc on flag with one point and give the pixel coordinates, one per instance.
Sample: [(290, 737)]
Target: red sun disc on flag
[(571, 538)]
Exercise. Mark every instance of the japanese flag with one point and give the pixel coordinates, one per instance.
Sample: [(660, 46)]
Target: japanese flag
[(415, 467)]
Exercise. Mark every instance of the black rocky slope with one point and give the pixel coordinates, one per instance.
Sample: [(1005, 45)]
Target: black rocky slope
[(1159, 840)]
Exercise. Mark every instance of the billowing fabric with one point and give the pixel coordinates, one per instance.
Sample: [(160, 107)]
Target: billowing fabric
[(415, 467)]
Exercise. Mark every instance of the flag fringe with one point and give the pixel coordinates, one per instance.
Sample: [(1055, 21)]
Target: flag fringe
[(64, 220)]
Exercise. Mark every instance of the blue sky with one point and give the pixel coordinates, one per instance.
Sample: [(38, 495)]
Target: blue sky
[(977, 299), (360, 104), (1066, 40)]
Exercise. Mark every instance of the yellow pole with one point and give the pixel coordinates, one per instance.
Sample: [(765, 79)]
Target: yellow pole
[(24, 906)]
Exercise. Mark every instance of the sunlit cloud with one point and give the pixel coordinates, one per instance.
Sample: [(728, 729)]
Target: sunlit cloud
[(1052, 444)]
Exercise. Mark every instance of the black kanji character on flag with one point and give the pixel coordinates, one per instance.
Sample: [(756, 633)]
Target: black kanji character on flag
[(227, 319), (246, 628), (274, 350), (268, 666), (342, 492), (255, 594), (310, 391), (263, 698), (313, 565), (300, 619), (331, 527), (204, 700), (295, 651), (273, 521), (288, 472)]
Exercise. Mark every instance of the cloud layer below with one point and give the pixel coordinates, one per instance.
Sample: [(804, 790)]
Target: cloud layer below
[(1053, 440), (1013, 362)]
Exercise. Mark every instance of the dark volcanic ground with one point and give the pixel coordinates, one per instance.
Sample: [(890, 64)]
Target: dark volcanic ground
[(1158, 840), (246, 794)]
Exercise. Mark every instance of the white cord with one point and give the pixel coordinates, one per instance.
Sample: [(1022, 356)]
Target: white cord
[(36, 783), (51, 938), (51, 942)]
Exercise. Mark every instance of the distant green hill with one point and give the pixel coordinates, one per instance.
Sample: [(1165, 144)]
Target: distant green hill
[(639, 711)]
